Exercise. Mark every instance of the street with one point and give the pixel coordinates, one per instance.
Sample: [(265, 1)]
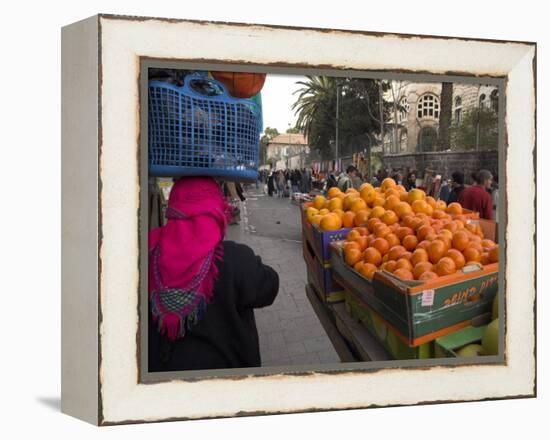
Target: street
[(289, 330)]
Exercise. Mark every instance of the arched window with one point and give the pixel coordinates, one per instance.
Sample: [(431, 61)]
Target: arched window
[(403, 140), (494, 100), (482, 100), (458, 109), (428, 107), (404, 108), (427, 139)]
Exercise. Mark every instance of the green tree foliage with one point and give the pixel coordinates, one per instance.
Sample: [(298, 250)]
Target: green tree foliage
[(477, 129), (293, 130), (269, 134), (359, 114)]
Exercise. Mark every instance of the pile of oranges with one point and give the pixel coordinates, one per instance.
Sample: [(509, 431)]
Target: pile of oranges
[(407, 233)]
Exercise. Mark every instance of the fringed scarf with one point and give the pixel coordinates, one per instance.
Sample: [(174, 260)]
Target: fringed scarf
[(183, 254)]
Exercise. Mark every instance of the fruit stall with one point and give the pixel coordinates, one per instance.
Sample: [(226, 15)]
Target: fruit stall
[(396, 274)]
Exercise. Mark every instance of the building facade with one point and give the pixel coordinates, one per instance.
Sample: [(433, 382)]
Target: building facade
[(415, 126), (288, 150)]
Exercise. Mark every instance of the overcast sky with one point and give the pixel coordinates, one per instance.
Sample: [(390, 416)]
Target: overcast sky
[(277, 100)]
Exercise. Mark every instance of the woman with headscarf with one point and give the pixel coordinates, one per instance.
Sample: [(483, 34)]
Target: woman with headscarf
[(202, 289)]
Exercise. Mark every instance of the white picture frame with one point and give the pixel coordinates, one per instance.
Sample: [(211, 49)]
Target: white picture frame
[(101, 65)]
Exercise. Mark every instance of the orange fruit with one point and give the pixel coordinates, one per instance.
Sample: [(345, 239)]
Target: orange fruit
[(348, 198), (379, 201), (361, 217), (368, 270), (372, 222), (357, 205), (415, 194), (420, 268), (363, 242), (385, 258), (353, 235), (402, 209), (377, 212), (389, 217), (319, 202), (381, 244), (457, 257), (371, 238), (381, 230), (445, 266), (419, 255), (348, 219), (404, 197), (454, 209), (403, 263), (439, 214), (451, 226), (351, 190), (331, 222), (423, 231), (316, 220), (391, 192), (447, 233), (423, 245), (324, 211), (350, 245), (390, 265), (446, 240), (352, 256), (471, 254), (392, 240), (476, 245), (368, 194), (407, 255), (396, 252), (357, 266), (431, 201), (404, 274), (438, 226), (372, 256), (333, 192), (431, 236), (461, 239), (487, 244), (362, 230), (335, 203), (440, 205), (403, 231), (493, 254), (366, 185), (419, 206), (410, 242), (428, 275), (484, 259), (436, 250), (387, 183), (391, 202)]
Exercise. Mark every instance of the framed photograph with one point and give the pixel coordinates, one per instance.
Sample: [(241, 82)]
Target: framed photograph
[(265, 219)]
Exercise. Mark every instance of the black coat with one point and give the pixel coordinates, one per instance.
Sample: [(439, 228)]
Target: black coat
[(226, 337)]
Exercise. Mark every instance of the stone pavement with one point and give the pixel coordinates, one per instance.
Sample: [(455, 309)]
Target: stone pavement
[(290, 332)]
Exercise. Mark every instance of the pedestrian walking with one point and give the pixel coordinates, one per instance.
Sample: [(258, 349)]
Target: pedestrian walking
[(281, 183), (270, 184), (203, 289), (457, 184), (477, 197), (345, 180)]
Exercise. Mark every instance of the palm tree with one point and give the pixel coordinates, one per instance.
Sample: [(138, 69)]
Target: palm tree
[(315, 107)]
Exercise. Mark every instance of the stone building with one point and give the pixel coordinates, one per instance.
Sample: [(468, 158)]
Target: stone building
[(411, 140), (417, 125), (287, 150)]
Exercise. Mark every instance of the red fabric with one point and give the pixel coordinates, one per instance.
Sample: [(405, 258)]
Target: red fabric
[(476, 198), (197, 217)]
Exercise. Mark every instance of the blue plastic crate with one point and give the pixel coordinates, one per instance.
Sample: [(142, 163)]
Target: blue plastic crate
[(199, 129)]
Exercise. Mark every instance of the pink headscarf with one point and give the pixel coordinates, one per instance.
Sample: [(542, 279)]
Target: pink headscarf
[(183, 254)]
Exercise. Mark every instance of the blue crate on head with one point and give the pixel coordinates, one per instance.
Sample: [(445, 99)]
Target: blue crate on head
[(199, 129)]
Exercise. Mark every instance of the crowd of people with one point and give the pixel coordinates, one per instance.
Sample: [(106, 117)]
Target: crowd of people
[(481, 195)]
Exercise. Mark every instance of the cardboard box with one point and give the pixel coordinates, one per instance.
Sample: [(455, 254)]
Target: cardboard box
[(384, 332), (320, 276), (422, 311)]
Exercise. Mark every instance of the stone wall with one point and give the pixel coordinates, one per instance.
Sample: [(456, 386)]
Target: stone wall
[(445, 163)]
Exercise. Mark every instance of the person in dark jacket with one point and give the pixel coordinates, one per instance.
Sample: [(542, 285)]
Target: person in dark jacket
[(457, 185), (202, 289), (271, 184)]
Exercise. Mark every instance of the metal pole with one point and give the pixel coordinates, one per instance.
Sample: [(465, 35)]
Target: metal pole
[(337, 123)]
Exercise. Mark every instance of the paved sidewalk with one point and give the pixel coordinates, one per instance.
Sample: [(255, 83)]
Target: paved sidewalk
[(290, 332)]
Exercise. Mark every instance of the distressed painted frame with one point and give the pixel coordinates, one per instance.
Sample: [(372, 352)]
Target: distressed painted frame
[(101, 60)]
